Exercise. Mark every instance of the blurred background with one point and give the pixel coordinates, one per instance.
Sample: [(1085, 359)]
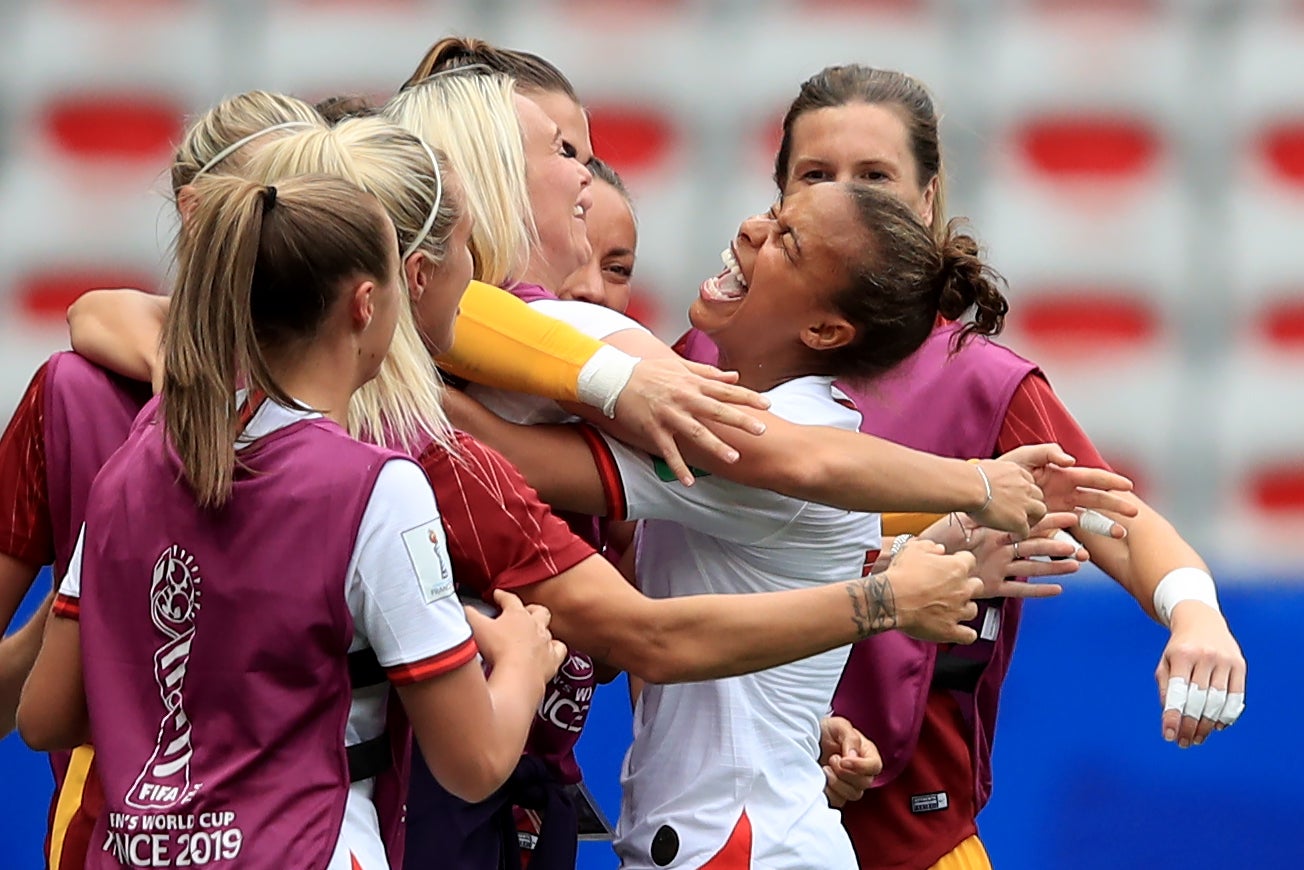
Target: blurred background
[(1136, 168)]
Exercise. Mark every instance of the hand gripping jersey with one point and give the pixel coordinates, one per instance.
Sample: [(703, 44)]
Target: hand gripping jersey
[(216, 647), (725, 773)]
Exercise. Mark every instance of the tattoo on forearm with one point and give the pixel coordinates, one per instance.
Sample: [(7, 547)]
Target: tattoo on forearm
[(873, 606)]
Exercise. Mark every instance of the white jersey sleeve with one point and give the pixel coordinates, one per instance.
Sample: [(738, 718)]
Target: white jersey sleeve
[(400, 584), (70, 585), (640, 486), (595, 321)]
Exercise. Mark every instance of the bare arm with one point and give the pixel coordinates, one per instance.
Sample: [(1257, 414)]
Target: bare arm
[(17, 656), (844, 469), (122, 331), (471, 728), (699, 637), (52, 712), (1201, 650)]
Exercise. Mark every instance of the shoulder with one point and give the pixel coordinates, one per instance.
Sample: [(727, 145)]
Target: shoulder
[(813, 401)]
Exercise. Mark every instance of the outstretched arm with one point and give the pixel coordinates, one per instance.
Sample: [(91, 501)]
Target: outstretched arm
[(1201, 673), (700, 637)]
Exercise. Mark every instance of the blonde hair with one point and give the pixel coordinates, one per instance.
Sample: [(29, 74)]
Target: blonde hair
[(227, 123), (472, 118), (259, 270), (402, 405)]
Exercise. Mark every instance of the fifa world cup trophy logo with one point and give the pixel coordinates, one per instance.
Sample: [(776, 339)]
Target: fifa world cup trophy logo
[(164, 781)]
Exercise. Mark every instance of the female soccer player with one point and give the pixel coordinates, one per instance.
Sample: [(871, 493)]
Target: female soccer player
[(935, 730), (500, 537), (71, 419), (843, 281), (613, 237), (294, 292)]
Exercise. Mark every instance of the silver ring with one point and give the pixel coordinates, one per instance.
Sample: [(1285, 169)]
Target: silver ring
[(1016, 549)]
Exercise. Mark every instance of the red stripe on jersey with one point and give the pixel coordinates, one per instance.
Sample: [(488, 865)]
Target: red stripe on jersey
[(609, 472), (67, 606), (448, 660), (871, 556), (353, 860), (253, 402), (25, 532), (736, 854)]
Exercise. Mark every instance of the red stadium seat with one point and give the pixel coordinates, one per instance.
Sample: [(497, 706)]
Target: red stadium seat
[(133, 127), (1089, 320), (1089, 146), (46, 295), (1278, 489), (631, 139), (1281, 323), (1281, 146)]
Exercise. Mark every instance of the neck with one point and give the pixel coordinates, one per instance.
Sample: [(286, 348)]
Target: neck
[(539, 271), (766, 370), (321, 375)]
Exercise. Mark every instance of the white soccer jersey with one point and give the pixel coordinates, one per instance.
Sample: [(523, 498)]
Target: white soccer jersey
[(705, 753), (593, 320)]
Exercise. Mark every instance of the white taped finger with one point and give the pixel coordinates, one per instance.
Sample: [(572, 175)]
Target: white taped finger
[(1096, 523), (1196, 698), (1233, 709), (1213, 707), (1175, 696), (1063, 537)]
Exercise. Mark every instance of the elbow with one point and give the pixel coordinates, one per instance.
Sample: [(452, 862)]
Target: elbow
[(476, 775), (654, 655), (40, 733)]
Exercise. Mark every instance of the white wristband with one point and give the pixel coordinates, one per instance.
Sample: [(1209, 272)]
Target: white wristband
[(1184, 584), (603, 378)]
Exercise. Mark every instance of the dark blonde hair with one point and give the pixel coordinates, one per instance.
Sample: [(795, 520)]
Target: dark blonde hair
[(258, 272), (230, 121), (531, 72), (901, 279)]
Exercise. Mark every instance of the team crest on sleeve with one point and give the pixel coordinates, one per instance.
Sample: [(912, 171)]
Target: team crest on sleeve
[(164, 781), (428, 551)]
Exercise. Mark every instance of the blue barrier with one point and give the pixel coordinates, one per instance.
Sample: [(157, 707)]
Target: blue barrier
[(1083, 780)]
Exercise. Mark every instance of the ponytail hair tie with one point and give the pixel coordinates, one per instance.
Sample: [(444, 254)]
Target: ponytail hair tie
[(269, 197)]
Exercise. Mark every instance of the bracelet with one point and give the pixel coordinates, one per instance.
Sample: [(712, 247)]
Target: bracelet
[(898, 543), (987, 485), (1184, 584), (603, 378)]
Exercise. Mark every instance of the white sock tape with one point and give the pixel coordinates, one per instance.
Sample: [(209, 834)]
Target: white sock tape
[(1233, 709), (603, 378), (1184, 584), (1175, 694)]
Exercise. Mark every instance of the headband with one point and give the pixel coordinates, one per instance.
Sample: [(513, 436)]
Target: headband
[(240, 143), (434, 208)]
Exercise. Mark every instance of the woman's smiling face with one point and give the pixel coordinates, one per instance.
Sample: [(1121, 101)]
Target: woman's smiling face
[(780, 273)]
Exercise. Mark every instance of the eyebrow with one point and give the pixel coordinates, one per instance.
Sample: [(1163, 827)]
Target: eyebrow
[(619, 252)]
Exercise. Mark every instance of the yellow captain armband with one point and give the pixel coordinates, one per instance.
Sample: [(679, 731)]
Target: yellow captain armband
[(502, 342), (907, 524)]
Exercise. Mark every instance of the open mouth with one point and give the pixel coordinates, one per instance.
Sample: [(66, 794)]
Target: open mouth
[(729, 285)]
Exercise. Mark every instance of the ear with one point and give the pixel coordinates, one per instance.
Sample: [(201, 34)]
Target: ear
[(930, 196), (417, 269), (362, 304), (829, 333), (187, 202)]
